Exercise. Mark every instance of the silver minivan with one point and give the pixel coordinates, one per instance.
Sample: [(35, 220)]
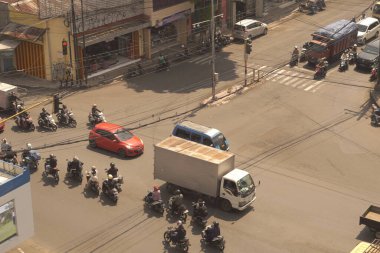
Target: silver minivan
[(249, 28)]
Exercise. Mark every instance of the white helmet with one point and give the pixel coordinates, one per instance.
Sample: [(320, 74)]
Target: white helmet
[(110, 176), (296, 47), (179, 223), (29, 146)]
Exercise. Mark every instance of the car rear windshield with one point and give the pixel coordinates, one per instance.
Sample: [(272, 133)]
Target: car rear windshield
[(123, 134), (371, 49), (362, 28), (239, 28)]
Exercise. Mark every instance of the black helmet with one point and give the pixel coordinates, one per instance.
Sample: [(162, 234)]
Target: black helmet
[(216, 224), (177, 192), (112, 164), (43, 109)]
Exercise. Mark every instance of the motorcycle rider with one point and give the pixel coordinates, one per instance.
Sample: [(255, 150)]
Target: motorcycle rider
[(155, 195), (95, 111), (75, 165), (109, 184), (44, 116), (323, 65), (179, 233), (354, 51), (13, 98), (212, 231), (21, 118), (64, 111), (93, 178), (5, 146), (52, 162), (176, 200), (200, 209), (26, 152), (113, 170)]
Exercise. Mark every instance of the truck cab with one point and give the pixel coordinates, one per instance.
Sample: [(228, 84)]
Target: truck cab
[(237, 190)]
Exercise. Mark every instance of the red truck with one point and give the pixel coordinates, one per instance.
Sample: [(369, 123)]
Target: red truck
[(331, 40)]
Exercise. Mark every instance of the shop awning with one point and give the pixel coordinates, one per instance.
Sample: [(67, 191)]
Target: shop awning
[(113, 32), (22, 32), (8, 45)]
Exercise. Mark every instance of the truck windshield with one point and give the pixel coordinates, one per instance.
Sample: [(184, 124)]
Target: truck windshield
[(220, 141), (316, 47), (362, 28), (245, 185)]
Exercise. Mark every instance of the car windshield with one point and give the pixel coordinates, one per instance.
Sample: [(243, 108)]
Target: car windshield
[(371, 49), (245, 185), (362, 28), (220, 141), (239, 28), (123, 134)]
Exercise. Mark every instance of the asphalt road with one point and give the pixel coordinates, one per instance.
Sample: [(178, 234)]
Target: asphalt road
[(308, 143)]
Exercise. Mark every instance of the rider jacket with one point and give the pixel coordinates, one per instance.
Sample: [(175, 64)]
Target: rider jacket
[(53, 163), (113, 171), (200, 210), (95, 110), (44, 115), (76, 165), (180, 233)]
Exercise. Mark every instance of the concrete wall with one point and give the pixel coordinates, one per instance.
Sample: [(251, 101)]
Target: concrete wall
[(24, 215)]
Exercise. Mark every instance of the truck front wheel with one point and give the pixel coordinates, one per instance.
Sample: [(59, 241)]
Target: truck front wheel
[(225, 205)]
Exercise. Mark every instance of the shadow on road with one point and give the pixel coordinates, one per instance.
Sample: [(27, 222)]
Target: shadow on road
[(365, 235)]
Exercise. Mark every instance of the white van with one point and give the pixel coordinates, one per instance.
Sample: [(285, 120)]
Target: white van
[(368, 28), (249, 28)]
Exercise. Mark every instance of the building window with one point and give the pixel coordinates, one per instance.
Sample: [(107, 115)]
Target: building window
[(162, 4)]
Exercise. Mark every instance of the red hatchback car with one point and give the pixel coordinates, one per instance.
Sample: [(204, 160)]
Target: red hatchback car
[(115, 138)]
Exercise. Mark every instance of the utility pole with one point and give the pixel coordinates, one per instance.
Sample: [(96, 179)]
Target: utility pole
[(84, 57), (377, 85), (213, 50), (245, 62), (75, 40)]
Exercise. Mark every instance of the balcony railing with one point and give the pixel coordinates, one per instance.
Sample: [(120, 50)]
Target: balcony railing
[(162, 4)]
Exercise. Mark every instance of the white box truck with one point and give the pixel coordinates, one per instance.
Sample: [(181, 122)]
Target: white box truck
[(205, 170), (5, 90)]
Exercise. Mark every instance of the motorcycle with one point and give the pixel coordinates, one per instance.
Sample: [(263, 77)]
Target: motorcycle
[(217, 242), (135, 71), (303, 55), (26, 123), (375, 117), (51, 171), (343, 66), (74, 172), (163, 66), (293, 60), (181, 211), (48, 123), (31, 161), (113, 194), (320, 72), (352, 58), (198, 219), (204, 47), (373, 75), (71, 120), (119, 180), (93, 185), (169, 238), (97, 118), (157, 206)]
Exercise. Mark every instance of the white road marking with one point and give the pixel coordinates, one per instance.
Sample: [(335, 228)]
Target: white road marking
[(313, 85)]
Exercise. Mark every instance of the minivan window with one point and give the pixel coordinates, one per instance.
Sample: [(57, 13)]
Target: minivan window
[(196, 137), (207, 142), (239, 28), (372, 26), (182, 134)]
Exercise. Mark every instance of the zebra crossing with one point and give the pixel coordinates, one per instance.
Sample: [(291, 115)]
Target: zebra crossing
[(295, 78)]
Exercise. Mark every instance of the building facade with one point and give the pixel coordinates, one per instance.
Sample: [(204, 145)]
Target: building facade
[(16, 212)]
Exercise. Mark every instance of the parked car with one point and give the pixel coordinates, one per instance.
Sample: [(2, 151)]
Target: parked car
[(368, 56), (249, 28), (368, 28), (116, 139)]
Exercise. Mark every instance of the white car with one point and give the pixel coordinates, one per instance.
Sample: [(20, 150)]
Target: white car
[(368, 28), (249, 28)]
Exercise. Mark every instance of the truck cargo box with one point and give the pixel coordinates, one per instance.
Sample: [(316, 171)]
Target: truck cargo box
[(5, 90), (191, 165)]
